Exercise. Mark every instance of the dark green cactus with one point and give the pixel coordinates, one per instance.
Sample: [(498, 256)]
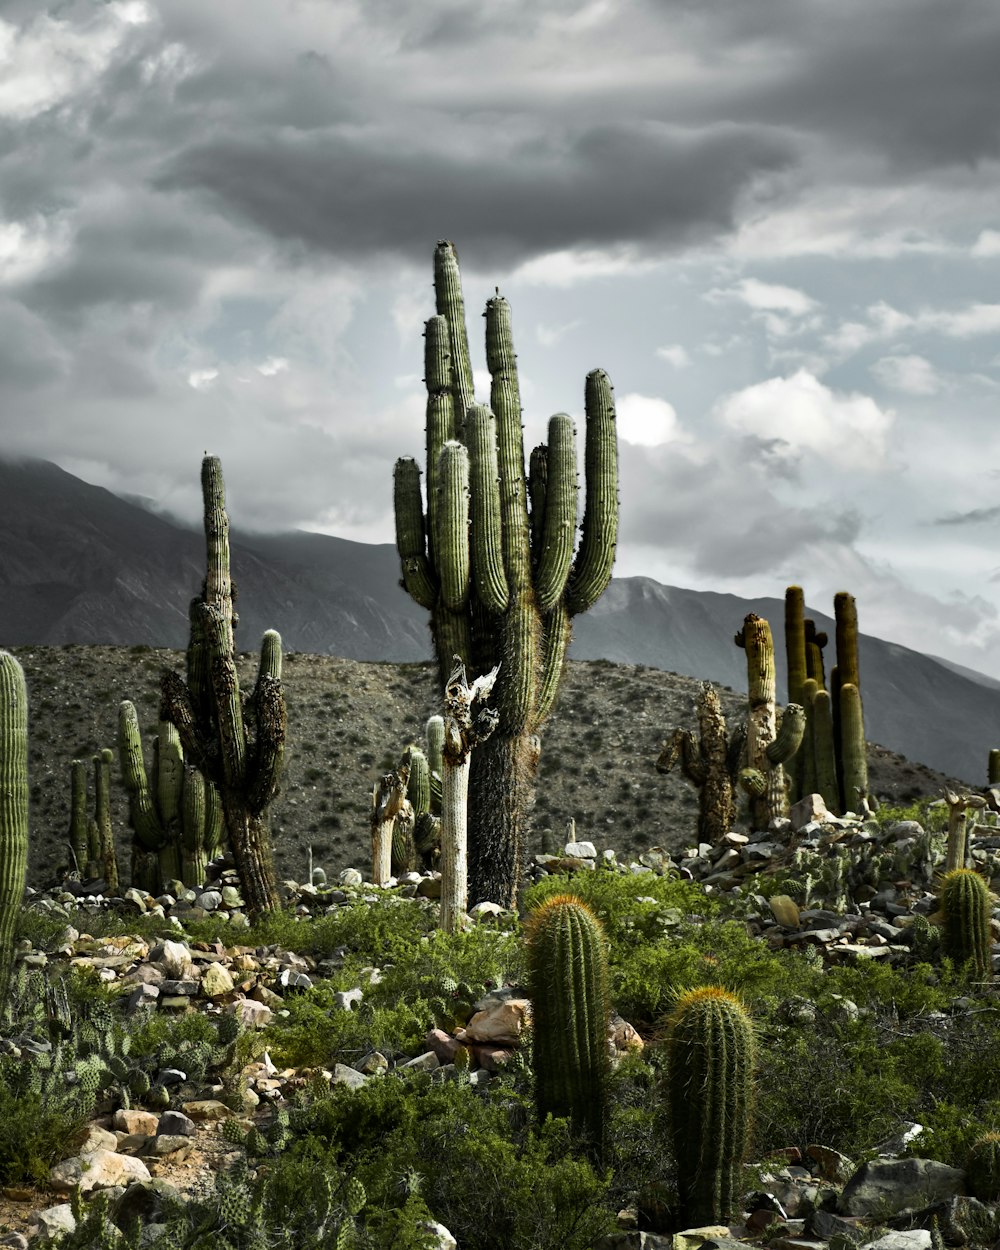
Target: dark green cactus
[(710, 764), (710, 1081), (853, 753), (78, 818), (823, 751), (965, 931), (767, 749), (798, 673), (982, 1168), (993, 768), (568, 984), (176, 817), (847, 673), (107, 856), (13, 805), (491, 555), (237, 743), (816, 640)]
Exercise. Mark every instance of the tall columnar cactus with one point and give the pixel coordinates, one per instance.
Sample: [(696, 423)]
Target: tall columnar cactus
[(847, 673), (568, 985), (767, 750), (107, 859), (853, 753), (965, 906), (236, 742), (390, 808), (491, 555), (468, 723), (175, 815), (798, 673), (993, 768), (426, 822), (711, 764), (816, 640), (78, 834), (710, 1046), (13, 805)]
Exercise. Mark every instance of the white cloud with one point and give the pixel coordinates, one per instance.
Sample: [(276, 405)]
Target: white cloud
[(914, 375), (273, 365), (201, 379), (26, 251), (885, 323), (646, 421), (549, 335), (674, 354), (568, 267), (988, 244), (785, 310), (801, 414)]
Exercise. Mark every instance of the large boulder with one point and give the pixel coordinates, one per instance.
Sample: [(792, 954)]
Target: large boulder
[(885, 1187)]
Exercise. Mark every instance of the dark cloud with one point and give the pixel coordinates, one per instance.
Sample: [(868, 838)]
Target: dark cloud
[(609, 185), (976, 516)]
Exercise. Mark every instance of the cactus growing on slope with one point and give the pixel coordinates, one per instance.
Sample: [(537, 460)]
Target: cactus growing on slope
[(13, 805), (767, 749), (710, 764), (235, 741), (568, 985), (175, 814), (710, 1047), (492, 554)]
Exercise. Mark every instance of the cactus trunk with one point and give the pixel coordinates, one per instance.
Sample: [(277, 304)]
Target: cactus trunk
[(766, 753), (13, 806)]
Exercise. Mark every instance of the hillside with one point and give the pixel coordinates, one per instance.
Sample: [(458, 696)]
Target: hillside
[(348, 721)]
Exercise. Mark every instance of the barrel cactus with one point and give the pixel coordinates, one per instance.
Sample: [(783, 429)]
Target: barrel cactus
[(491, 554), (982, 1168), (568, 984), (965, 907), (711, 1048)]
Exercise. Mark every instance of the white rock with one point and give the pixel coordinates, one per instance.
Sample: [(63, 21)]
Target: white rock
[(500, 1022), (52, 1221), (98, 1169), (443, 1240), (580, 850), (177, 960)]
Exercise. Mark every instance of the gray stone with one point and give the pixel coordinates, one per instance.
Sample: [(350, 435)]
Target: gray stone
[(14, 1241), (426, 1062), (347, 1000), (98, 1169), (210, 900), (885, 1187), (635, 1240), (216, 981), (52, 1221), (580, 850), (176, 1122), (350, 876), (343, 1075), (147, 1201), (916, 1239)]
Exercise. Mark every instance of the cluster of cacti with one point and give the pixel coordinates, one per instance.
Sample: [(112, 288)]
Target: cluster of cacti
[(768, 746), (91, 836), (236, 742), (710, 763), (568, 983), (833, 758), (492, 554), (13, 805), (710, 1046), (468, 723), (176, 815), (965, 927)]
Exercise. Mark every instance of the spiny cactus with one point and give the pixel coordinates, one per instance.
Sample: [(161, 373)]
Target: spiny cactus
[(238, 743), (710, 764), (176, 818), (798, 673), (491, 554), (568, 984), (965, 907), (982, 1168), (710, 1080), (767, 749), (390, 808), (13, 805), (848, 716), (78, 839)]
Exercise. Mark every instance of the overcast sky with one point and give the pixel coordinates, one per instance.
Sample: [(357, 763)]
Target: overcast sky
[(776, 225)]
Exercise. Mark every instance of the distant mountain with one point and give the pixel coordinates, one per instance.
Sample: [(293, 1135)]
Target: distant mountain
[(78, 564)]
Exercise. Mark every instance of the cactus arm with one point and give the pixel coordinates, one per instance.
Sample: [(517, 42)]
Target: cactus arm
[(146, 824), (13, 806), (555, 639), (808, 748), (596, 556), (435, 742), (269, 752), (169, 782), (440, 413), (505, 400), (795, 641), (218, 582), (789, 736), (102, 811), (418, 789), (452, 539), (680, 748), (853, 750), (451, 305), (411, 540), (845, 610), (826, 767), (559, 527), (487, 542), (538, 474)]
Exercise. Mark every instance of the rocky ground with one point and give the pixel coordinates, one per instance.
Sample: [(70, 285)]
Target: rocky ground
[(880, 881), (349, 721)]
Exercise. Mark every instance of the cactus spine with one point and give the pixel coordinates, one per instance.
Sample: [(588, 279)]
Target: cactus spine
[(13, 805), (237, 743), (468, 722), (965, 905), (710, 1078), (508, 587), (766, 750), (798, 673), (709, 764), (568, 984)]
